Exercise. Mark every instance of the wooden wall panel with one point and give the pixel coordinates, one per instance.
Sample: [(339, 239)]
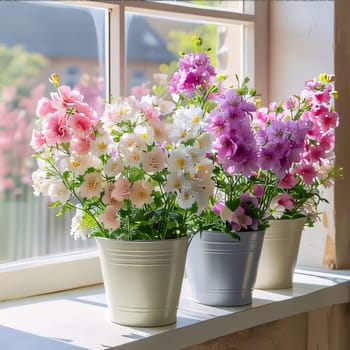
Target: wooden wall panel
[(323, 329)]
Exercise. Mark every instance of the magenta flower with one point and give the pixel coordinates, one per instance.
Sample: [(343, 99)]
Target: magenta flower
[(306, 172), (258, 190), (217, 208), (285, 200), (194, 71), (288, 181)]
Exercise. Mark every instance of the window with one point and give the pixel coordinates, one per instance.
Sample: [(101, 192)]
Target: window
[(100, 48)]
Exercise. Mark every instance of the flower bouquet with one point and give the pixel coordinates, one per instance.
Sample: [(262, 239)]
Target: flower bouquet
[(301, 129), (128, 174)]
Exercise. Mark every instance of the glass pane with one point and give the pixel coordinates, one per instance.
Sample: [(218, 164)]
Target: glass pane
[(228, 5), (154, 44), (51, 38)]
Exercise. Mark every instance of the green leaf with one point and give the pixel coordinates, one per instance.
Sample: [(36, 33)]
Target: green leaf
[(233, 203), (54, 204)]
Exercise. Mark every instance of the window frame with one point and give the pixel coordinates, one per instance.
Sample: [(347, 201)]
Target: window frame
[(61, 272)]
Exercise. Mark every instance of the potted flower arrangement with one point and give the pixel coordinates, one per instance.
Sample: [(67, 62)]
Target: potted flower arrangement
[(232, 227), (310, 170), (135, 182)]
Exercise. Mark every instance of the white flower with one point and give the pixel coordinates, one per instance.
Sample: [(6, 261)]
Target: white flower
[(187, 123), (204, 168), (165, 107), (113, 167), (79, 163), (196, 154), (160, 130), (185, 198), (38, 179), (127, 141), (132, 157), (101, 145), (143, 135), (202, 189), (226, 214), (78, 229), (204, 142), (179, 159), (175, 181), (58, 192), (114, 113)]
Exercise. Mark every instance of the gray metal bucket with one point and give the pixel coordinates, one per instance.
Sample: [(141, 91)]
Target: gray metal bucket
[(142, 279), (222, 271)]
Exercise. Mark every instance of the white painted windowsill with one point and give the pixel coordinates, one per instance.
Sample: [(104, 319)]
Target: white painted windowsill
[(77, 319)]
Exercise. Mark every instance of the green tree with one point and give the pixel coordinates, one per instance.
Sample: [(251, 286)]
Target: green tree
[(180, 42), (17, 66)]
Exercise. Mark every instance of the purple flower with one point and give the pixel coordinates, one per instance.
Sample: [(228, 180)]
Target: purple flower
[(217, 122), (235, 143), (218, 207)]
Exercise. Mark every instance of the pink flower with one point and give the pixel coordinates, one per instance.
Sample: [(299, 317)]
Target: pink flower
[(37, 141), (108, 218), (92, 186), (316, 153), (79, 145), (80, 124), (307, 172), (226, 214), (65, 97), (326, 118), (151, 113), (153, 161), (140, 193), (121, 189), (56, 130), (8, 93), (288, 181), (107, 198), (285, 200), (44, 107), (326, 142), (140, 90)]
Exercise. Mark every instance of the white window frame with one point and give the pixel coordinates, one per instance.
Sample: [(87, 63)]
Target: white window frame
[(66, 271)]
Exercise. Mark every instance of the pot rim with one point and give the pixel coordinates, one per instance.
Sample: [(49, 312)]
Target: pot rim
[(288, 220), (141, 240)]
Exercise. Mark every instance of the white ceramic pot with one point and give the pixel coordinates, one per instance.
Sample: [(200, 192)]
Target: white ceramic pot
[(142, 279), (279, 254), (221, 271)]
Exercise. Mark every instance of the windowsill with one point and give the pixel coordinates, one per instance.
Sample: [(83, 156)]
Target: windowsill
[(77, 319)]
